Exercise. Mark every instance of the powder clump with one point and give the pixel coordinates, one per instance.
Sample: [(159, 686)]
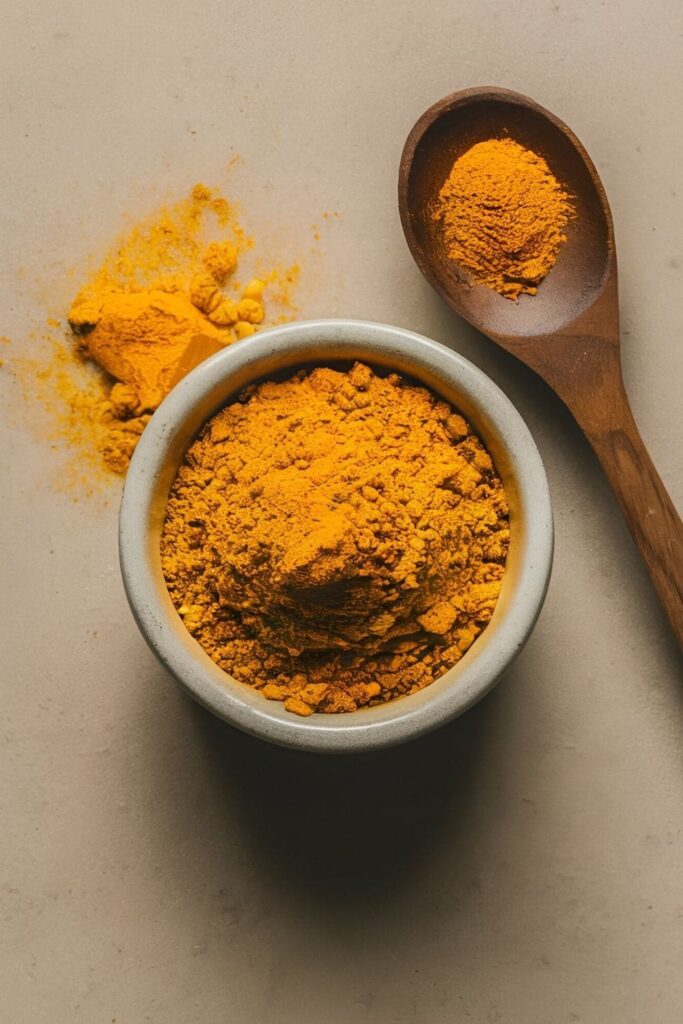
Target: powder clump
[(503, 213), (156, 308), (141, 338), (163, 298), (336, 539)]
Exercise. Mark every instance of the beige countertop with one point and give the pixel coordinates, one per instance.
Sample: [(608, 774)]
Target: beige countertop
[(524, 865)]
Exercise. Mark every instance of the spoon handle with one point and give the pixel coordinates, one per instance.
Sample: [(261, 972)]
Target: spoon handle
[(651, 516)]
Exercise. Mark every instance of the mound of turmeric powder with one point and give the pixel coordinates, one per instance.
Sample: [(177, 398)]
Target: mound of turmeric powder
[(503, 214), (336, 539), (163, 300)]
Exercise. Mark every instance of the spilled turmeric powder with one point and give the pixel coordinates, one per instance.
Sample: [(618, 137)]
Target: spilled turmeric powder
[(164, 297), (336, 539), (503, 214), (159, 304)]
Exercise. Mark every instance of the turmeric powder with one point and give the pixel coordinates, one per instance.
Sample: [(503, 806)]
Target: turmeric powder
[(156, 307), (503, 215), (336, 539)]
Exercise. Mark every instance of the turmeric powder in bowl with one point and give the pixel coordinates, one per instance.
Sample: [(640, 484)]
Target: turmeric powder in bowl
[(336, 539)]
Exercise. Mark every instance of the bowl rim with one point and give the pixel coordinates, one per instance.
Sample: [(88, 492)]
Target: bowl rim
[(396, 721)]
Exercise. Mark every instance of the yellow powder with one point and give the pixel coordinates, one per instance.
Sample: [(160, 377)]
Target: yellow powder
[(140, 338), (503, 214), (159, 302), (336, 539)]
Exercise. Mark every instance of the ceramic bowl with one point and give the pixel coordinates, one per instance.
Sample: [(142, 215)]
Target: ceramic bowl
[(201, 394)]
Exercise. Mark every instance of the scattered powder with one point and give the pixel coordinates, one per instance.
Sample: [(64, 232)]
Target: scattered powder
[(163, 299)]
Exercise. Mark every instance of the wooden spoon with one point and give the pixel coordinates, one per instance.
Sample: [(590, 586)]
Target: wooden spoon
[(569, 331)]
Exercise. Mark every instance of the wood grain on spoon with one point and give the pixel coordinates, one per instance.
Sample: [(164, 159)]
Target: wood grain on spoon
[(569, 331)]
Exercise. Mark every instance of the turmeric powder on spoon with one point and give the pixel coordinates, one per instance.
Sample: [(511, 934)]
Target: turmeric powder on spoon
[(503, 216)]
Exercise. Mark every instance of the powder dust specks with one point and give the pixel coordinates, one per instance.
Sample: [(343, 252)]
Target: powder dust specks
[(87, 378)]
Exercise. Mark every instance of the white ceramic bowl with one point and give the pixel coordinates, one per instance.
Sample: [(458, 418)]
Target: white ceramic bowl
[(202, 393)]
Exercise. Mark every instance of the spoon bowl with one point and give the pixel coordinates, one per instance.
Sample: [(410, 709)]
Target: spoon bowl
[(444, 133), (568, 332)]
